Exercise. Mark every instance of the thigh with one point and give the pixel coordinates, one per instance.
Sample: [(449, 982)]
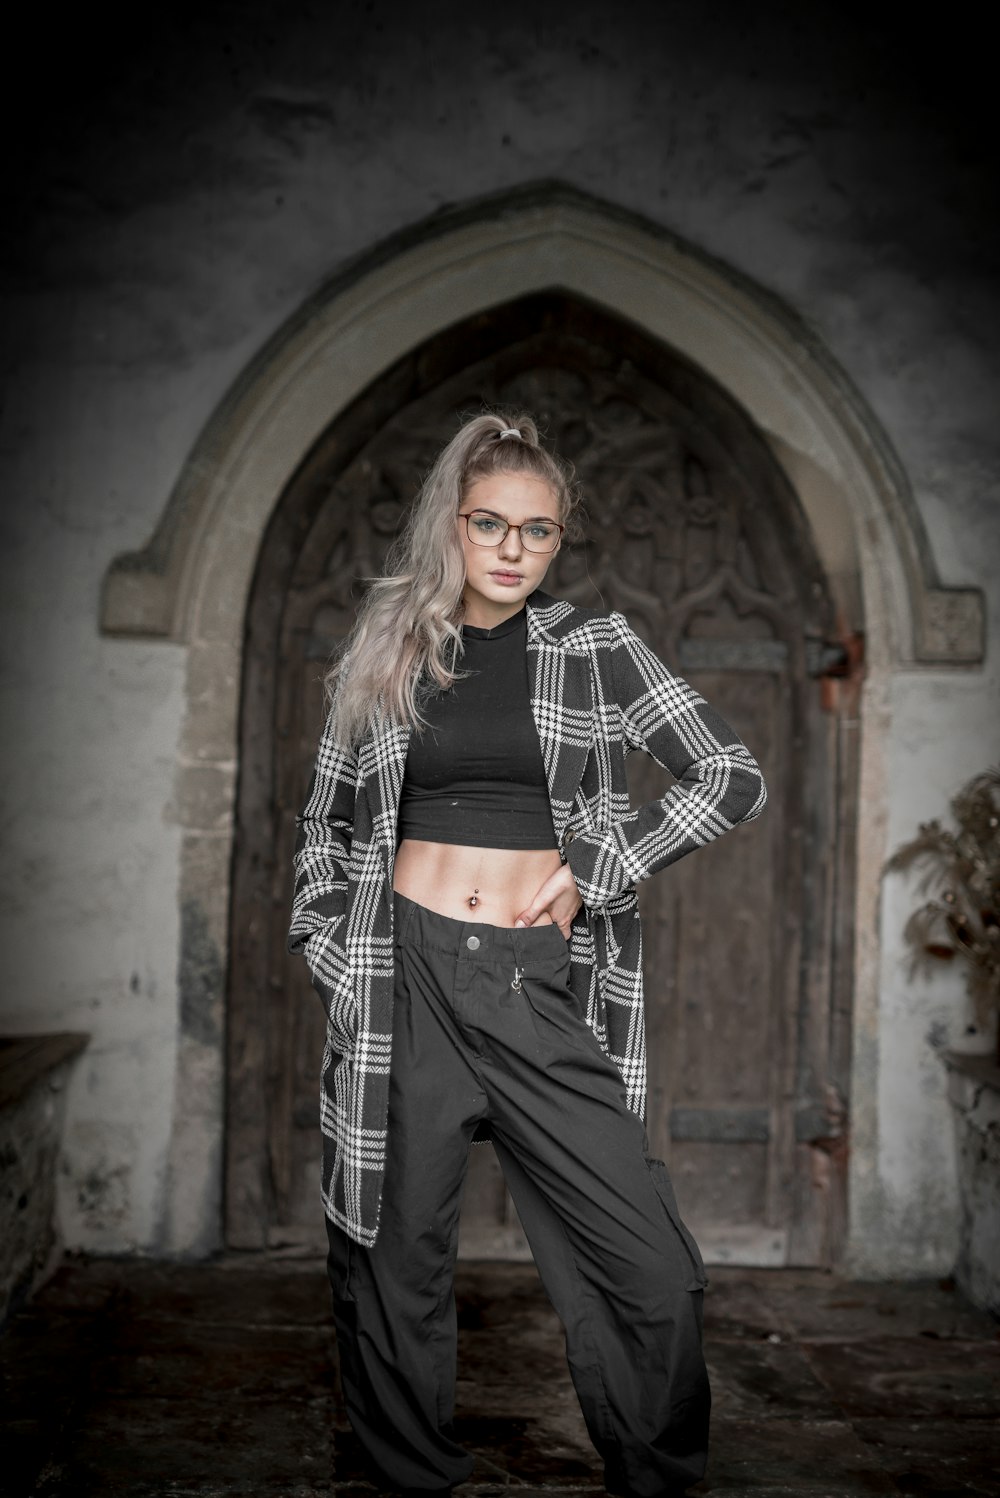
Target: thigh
[(435, 1103), (560, 1110)]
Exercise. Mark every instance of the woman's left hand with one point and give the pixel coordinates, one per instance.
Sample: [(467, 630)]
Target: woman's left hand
[(558, 898)]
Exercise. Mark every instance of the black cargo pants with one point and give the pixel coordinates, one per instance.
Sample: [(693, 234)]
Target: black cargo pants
[(486, 1027)]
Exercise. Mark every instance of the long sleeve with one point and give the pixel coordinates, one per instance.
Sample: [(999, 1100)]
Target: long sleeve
[(718, 781), (322, 848)]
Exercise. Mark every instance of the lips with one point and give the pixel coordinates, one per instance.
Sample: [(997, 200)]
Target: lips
[(505, 577)]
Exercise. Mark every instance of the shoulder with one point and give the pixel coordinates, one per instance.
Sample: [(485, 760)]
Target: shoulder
[(575, 627)]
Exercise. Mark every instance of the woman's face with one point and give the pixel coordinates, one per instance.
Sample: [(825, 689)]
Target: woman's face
[(499, 577)]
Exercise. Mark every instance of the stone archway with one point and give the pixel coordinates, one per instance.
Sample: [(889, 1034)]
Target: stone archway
[(192, 583)]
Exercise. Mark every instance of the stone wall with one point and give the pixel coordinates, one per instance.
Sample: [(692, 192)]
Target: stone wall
[(189, 190)]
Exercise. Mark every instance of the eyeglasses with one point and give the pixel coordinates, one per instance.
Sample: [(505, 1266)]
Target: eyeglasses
[(485, 529)]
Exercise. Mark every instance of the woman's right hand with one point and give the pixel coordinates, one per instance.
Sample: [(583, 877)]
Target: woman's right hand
[(557, 898)]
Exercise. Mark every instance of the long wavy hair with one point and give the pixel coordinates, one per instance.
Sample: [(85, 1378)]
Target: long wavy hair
[(407, 637)]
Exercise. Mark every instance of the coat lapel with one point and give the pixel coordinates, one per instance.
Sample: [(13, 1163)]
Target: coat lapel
[(562, 700)]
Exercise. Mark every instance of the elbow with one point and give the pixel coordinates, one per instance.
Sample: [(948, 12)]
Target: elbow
[(747, 790)]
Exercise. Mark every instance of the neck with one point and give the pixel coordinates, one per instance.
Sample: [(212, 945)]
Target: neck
[(482, 614)]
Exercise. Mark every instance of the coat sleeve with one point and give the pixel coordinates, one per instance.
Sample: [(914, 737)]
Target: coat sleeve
[(322, 848), (718, 781)]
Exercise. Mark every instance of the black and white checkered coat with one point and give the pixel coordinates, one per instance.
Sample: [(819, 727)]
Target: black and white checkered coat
[(597, 693)]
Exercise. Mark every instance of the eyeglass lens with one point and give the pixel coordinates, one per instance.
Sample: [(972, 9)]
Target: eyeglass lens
[(489, 530)]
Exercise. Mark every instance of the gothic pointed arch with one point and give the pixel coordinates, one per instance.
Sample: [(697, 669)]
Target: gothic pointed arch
[(367, 330)]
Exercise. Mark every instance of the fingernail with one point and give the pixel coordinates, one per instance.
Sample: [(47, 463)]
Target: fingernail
[(518, 925)]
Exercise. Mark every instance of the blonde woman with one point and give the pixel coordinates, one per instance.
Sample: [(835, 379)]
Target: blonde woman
[(466, 874)]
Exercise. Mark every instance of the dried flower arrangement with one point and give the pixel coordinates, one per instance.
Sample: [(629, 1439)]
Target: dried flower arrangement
[(963, 920)]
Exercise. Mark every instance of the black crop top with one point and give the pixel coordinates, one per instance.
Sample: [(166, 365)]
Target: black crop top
[(475, 775)]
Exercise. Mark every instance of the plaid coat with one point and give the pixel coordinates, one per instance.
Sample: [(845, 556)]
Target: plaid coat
[(597, 693)]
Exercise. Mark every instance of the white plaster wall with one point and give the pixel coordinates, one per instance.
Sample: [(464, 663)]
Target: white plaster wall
[(186, 202), (89, 872)]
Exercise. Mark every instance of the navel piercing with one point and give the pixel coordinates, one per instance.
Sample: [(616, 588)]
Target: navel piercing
[(518, 974), (473, 899)]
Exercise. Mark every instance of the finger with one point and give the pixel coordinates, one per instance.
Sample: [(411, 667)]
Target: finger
[(529, 915), (544, 897)]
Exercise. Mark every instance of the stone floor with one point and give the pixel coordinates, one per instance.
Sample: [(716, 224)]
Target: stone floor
[(125, 1377)]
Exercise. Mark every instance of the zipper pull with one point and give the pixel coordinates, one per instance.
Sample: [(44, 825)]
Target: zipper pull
[(518, 974)]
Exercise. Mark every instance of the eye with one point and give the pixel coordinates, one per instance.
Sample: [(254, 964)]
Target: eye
[(540, 532), (484, 524)]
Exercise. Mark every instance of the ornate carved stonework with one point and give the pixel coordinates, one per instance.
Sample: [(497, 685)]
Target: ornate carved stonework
[(952, 628), (673, 532)]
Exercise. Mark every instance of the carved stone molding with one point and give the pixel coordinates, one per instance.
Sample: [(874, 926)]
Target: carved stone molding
[(381, 308), (951, 626)]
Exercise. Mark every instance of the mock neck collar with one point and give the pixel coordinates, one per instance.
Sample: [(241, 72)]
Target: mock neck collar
[(497, 632)]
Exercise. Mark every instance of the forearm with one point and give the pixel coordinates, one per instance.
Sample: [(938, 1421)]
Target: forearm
[(714, 796), (320, 892), (323, 846)]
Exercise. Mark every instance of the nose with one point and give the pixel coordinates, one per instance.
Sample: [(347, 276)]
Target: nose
[(510, 547)]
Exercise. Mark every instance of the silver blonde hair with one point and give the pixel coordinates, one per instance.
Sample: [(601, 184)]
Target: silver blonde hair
[(407, 634)]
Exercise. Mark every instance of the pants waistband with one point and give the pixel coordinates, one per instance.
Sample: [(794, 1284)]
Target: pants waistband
[(417, 926)]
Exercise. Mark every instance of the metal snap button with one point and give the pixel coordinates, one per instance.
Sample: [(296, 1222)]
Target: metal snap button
[(473, 943)]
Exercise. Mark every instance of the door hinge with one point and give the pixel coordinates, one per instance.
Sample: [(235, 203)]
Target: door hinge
[(838, 666)]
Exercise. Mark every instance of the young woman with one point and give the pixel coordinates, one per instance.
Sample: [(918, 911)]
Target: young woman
[(466, 874)]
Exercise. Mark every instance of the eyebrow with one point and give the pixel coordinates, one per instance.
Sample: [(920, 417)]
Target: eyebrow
[(481, 510)]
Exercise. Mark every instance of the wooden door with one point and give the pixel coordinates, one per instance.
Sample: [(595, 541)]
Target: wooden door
[(693, 532)]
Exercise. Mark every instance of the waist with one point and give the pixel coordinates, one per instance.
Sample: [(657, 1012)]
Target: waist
[(417, 925), (444, 877)]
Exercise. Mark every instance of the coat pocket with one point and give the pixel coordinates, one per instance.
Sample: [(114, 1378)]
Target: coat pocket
[(697, 1278)]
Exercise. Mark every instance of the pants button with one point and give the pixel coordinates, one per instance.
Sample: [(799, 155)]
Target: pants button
[(473, 943)]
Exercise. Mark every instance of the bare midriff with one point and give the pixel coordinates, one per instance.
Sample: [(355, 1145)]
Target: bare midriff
[(444, 877)]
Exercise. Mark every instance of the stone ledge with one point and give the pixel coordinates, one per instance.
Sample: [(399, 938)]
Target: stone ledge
[(974, 1094), (33, 1072), (26, 1058)]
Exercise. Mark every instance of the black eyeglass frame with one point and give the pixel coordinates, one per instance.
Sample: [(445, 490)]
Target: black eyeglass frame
[(467, 515)]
